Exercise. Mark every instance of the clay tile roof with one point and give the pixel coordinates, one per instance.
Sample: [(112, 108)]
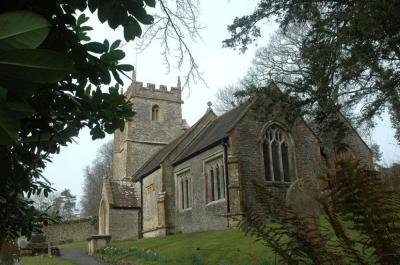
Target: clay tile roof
[(123, 193), (214, 132), (154, 162)]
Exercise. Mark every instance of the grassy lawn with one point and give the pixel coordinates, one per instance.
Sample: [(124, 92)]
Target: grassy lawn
[(44, 260), (230, 247), (78, 244)]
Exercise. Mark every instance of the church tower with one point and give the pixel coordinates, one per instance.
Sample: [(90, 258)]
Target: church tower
[(157, 121)]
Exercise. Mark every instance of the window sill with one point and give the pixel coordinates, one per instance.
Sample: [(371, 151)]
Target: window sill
[(278, 184), (185, 210), (216, 202)]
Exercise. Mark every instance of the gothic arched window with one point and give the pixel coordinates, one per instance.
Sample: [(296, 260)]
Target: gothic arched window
[(184, 192), (276, 155), (155, 113), (215, 179)]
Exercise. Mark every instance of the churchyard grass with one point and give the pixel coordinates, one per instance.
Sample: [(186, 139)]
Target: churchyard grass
[(44, 260), (78, 244), (229, 247)]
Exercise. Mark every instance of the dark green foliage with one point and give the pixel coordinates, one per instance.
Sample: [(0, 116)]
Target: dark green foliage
[(391, 176), (54, 81), (373, 210), (349, 54), (359, 223)]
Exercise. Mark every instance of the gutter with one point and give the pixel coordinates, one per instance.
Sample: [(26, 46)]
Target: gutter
[(225, 144), (141, 209)]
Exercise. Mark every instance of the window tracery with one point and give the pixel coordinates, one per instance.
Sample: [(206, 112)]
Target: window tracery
[(276, 154)]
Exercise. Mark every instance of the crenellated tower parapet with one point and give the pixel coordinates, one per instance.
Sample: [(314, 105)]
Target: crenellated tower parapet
[(150, 90), (157, 121)]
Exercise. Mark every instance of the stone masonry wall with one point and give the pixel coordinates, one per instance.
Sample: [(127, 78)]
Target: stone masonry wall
[(168, 171), (246, 143), (202, 216), (352, 140), (124, 224), (151, 187), (143, 136), (76, 230)]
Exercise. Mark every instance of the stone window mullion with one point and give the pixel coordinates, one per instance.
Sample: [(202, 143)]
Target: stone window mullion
[(222, 173), (218, 182), (215, 182), (276, 154), (190, 191), (271, 164), (182, 195), (280, 161), (212, 184), (187, 191), (215, 185)]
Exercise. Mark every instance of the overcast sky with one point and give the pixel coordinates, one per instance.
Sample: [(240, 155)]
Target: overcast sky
[(220, 67)]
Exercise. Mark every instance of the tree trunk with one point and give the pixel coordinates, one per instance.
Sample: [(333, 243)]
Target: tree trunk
[(9, 253)]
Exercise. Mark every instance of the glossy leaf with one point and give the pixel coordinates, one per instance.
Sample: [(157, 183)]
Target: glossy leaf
[(95, 47), (41, 66), (82, 19), (132, 29), (20, 109), (151, 3), (22, 30), (125, 67), (142, 16), (106, 45), (9, 126), (113, 56), (115, 44)]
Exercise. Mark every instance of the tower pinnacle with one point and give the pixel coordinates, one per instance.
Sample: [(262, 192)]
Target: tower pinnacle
[(134, 75), (178, 85)]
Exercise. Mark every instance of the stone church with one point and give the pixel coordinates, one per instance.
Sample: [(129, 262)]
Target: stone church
[(170, 178)]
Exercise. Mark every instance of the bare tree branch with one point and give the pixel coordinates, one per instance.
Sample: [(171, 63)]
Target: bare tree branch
[(174, 23)]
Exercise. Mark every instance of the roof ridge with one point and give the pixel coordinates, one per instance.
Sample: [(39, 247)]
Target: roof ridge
[(224, 122), (178, 140), (196, 136)]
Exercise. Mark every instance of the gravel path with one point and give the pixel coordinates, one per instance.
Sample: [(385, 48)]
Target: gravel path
[(77, 256)]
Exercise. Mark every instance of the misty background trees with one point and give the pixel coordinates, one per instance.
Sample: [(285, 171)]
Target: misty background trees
[(58, 205), (101, 167)]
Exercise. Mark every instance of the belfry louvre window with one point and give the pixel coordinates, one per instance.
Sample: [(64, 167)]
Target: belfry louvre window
[(184, 185), (276, 155), (215, 179), (155, 113)]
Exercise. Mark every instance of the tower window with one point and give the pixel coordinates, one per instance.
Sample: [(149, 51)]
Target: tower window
[(155, 113)]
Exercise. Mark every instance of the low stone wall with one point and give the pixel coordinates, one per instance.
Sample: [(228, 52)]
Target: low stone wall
[(73, 230)]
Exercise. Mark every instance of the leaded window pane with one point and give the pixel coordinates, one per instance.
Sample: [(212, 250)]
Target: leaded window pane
[(276, 161), (218, 183), (222, 181), (187, 193), (182, 196), (276, 155), (285, 162), (267, 161), (215, 179), (212, 185)]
